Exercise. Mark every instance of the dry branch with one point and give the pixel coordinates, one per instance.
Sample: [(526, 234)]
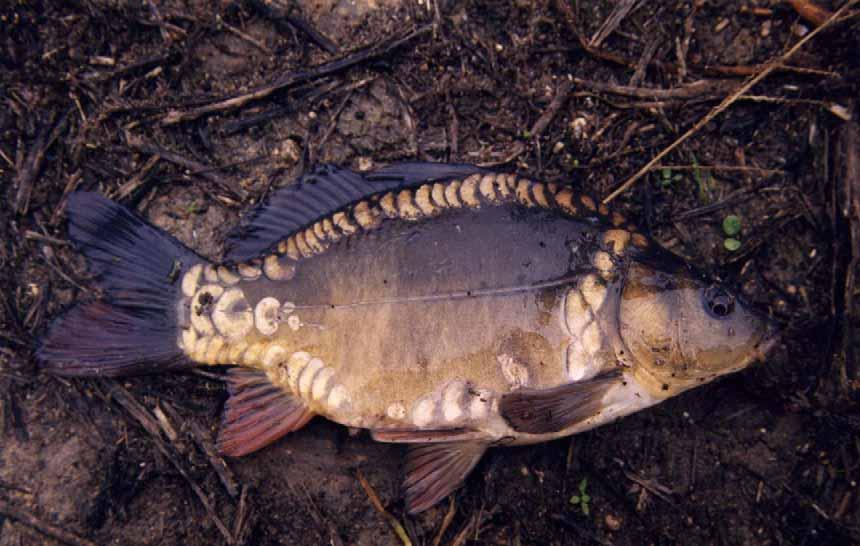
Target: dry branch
[(226, 104), (377, 504)]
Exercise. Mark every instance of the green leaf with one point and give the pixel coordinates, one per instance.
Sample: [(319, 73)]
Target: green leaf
[(575, 499), (732, 225), (585, 509), (731, 244), (586, 499), (666, 173), (582, 485)]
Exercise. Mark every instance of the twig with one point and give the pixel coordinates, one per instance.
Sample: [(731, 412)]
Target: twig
[(540, 125), (728, 101), (28, 519), (225, 475), (461, 537), (281, 19), (622, 8), (453, 126), (244, 36), (137, 180), (688, 91), (350, 92), (122, 397), (446, 522), (31, 235), (809, 11), (377, 504), (237, 101), (644, 61), (194, 167), (242, 518), (724, 168), (202, 440), (730, 200), (32, 165), (660, 491)]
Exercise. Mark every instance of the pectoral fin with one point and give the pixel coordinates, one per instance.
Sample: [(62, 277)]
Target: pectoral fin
[(434, 471), (257, 413), (535, 411)]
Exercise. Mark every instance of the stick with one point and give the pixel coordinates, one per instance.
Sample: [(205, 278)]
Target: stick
[(278, 16), (622, 8), (809, 11), (29, 171), (52, 531), (122, 397), (688, 91), (377, 504), (728, 101), (231, 103), (194, 167), (540, 125), (446, 522)]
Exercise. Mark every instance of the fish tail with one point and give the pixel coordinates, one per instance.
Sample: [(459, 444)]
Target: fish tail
[(133, 328)]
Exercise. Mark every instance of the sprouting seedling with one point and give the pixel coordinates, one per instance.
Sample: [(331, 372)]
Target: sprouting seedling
[(193, 208), (703, 181), (666, 177), (731, 227), (583, 498)]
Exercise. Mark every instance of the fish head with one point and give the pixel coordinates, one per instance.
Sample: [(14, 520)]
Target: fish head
[(681, 330)]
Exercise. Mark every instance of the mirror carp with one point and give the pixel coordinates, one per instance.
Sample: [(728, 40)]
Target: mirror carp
[(442, 306)]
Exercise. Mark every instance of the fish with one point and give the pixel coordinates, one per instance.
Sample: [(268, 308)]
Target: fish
[(447, 307)]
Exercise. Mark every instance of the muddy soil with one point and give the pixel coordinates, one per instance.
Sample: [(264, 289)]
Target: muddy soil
[(127, 98)]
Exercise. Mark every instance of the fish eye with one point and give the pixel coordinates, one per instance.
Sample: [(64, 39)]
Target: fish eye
[(719, 303)]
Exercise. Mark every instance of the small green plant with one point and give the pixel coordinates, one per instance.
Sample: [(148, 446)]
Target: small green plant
[(703, 181), (583, 498), (666, 177), (731, 227), (194, 207)]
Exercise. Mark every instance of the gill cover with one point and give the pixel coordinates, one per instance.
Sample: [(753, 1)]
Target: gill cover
[(682, 330)]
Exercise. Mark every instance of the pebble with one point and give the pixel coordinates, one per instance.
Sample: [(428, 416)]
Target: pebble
[(613, 522)]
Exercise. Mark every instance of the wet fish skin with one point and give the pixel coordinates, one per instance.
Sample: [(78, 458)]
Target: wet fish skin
[(449, 312)]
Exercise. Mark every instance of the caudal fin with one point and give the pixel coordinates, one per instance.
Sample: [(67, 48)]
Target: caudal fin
[(133, 330)]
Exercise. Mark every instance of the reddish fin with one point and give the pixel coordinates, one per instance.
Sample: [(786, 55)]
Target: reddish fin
[(418, 436), (434, 471), (543, 411), (257, 413), (134, 330)]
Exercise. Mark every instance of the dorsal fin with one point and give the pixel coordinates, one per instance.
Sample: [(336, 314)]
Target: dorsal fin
[(321, 193)]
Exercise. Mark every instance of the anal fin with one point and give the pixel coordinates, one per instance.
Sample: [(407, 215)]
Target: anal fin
[(434, 471), (541, 411), (257, 413)]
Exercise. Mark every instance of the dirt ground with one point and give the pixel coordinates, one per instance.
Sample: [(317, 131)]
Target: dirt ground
[(190, 111)]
